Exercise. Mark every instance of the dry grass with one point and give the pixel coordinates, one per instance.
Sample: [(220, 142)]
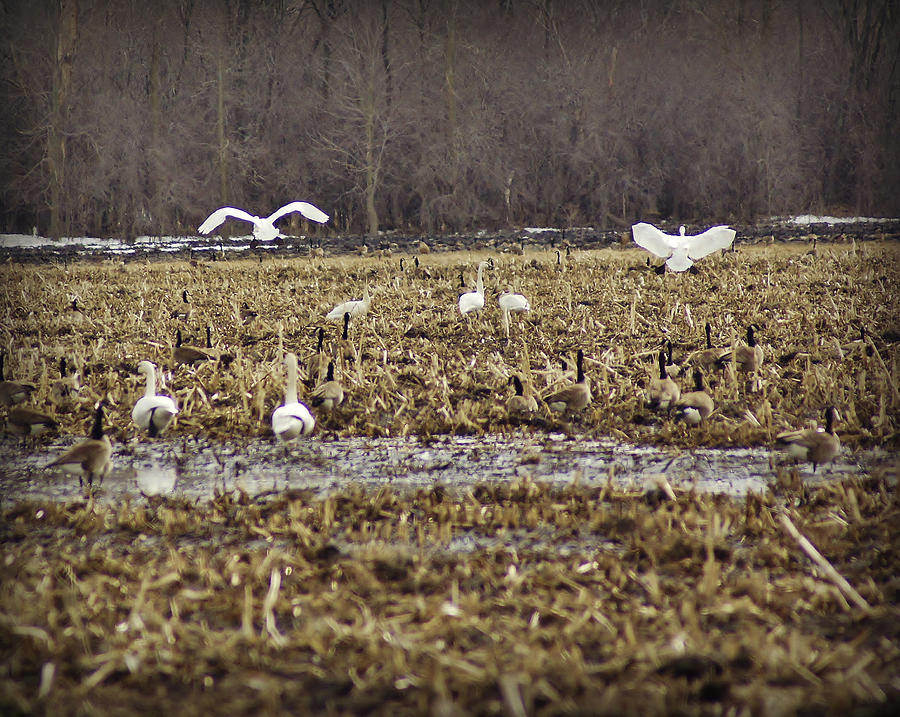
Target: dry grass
[(423, 369), (514, 599), (510, 600)]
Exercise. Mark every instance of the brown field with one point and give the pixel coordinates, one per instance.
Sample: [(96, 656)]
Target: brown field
[(508, 599)]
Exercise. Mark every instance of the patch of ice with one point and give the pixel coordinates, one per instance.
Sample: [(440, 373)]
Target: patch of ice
[(804, 219)]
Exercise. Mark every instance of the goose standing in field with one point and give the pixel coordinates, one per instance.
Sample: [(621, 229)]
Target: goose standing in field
[(816, 445), (153, 412), (519, 404), (356, 308), (680, 251), (187, 355), (264, 228), (747, 357), (185, 310), (346, 349), (695, 406), (13, 392), (318, 361), (92, 457), (708, 357), (329, 394), (663, 391), (510, 303), (63, 391), (574, 397), (293, 418), (27, 421), (473, 301)]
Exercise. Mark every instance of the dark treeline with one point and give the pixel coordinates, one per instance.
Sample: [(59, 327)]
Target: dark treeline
[(122, 117)]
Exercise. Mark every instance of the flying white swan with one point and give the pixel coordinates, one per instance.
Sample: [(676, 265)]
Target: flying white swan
[(356, 308), (293, 418), (264, 228), (680, 252), (474, 300), (153, 413)]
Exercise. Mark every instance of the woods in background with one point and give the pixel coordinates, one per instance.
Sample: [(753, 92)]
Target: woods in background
[(127, 118)]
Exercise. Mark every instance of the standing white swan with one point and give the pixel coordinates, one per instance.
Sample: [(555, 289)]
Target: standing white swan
[(680, 251), (264, 228), (474, 300), (356, 308), (510, 303), (153, 413), (293, 418)]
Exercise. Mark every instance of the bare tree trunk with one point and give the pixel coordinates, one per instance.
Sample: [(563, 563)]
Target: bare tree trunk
[(221, 140), (66, 40), (373, 157)]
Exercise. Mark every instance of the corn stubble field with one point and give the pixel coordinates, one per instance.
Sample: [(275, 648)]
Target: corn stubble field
[(499, 599)]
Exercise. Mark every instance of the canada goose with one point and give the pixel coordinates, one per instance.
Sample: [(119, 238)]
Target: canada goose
[(76, 314), (520, 403), (185, 310), (264, 228), (695, 406), (247, 314), (188, 355), (330, 394), (706, 358), (64, 390), (673, 370), (293, 418), (474, 300), (346, 349), (663, 391), (91, 457), (574, 397), (28, 422), (13, 392), (318, 361), (680, 251), (748, 357), (815, 445), (356, 308), (422, 271), (152, 412)]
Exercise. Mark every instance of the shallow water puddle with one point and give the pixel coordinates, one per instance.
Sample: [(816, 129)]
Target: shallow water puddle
[(198, 470)]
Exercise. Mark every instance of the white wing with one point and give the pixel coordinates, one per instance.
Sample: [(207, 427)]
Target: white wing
[(719, 237), (220, 215), (305, 208), (292, 420), (652, 239)]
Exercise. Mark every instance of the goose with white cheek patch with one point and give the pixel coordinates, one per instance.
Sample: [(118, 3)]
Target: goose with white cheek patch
[(816, 445), (574, 397), (663, 391), (153, 412), (92, 458), (695, 406)]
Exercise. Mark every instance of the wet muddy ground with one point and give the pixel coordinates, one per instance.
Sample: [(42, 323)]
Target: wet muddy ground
[(200, 469)]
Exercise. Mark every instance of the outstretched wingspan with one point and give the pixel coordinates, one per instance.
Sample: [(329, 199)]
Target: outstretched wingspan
[(220, 215), (711, 240), (308, 210), (652, 239)]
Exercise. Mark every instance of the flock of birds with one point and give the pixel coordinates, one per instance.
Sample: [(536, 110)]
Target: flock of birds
[(154, 412)]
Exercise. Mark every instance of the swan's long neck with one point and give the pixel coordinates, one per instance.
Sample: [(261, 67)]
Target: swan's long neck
[(479, 282), (151, 382), (290, 390)]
